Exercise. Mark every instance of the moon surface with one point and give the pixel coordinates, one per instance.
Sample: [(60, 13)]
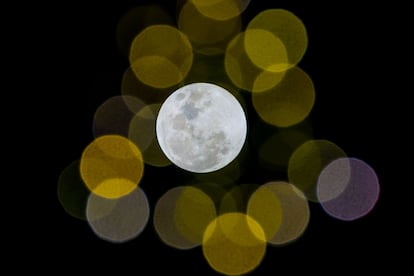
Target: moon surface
[(201, 127)]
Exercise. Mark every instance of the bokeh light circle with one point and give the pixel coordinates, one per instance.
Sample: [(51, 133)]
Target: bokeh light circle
[(265, 207), (274, 152), (72, 192), (288, 103), (157, 63), (282, 210), (124, 218), (194, 210), (307, 162), (358, 188), (111, 166), (221, 9), (181, 216), (208, 36), (142, 133), (137, 19), (284, 25), (243, 73), (115, 114), (234, 244), (266, 50)]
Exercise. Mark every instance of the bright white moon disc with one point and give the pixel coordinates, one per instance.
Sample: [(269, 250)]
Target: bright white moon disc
[(201, 127)]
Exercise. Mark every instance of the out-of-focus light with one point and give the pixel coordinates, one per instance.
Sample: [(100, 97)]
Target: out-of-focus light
[(307, 162), (216, 191), (284, 221), (221, 9), (333, 179), (232, 222), (284, 25), (265, 207), (115, 114), (237, 198), (288, 103), (194, 210), (207, 35), (132, 86), (137, 19), (111, 166), (266, 50), (243, 73), (234, 244), (157, 63), (124, 218), (224, 177), (181, 216), (142, 132), (72, 192), (141, 129), (274, 152), (348, 189)]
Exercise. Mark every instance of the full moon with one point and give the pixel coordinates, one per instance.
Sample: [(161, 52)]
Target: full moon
[(201, 127)]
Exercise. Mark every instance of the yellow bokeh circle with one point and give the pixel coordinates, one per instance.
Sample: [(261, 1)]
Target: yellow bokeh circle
[(161, 56), (221, 9), (234, 244), (266, 50), (111, 166), (307, 162), (285, 26), (288, 103)]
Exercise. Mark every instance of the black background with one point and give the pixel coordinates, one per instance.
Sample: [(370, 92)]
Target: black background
[(344, 59)]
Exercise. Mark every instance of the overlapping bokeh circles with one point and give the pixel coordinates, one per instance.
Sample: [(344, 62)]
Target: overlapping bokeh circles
[(115, 114), (137, 19), (232, 222), (243, 73), (118, 220), (234, 244), (111, 166), (348, 188), (157, 63), (142, 133), (181, 216), (288, 103), (307, 162), (286, 27), (208, 36), (281, 209)]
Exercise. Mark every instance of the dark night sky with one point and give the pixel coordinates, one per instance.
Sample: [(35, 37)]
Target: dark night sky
[(342, 60)]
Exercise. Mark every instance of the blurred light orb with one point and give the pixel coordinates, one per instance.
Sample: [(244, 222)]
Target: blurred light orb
[(161, 56), (72, 192), (234, 244), (348, 189), (282, 210), (201, 127), (288, 103), (118, 220), (111, 166), (284, 25), (181, 215), (221, 9), (307, 162)]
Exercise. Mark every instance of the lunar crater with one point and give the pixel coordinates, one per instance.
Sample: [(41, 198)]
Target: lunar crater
[(190, 111)]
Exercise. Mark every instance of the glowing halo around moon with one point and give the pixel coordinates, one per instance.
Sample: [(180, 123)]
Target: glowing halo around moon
[(201, 127)]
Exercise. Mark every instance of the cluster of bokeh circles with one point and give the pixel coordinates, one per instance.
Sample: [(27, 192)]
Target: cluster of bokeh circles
[(232, 222)]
